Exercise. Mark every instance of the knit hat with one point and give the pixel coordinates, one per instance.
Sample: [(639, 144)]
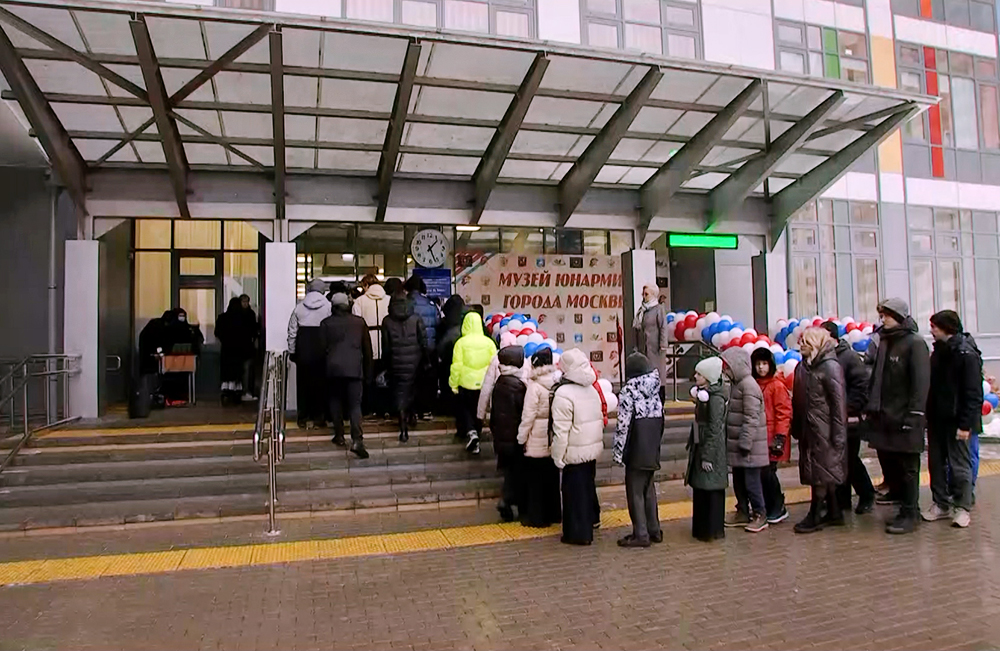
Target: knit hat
[(636, 365), (507, 339), (316, 285), (710, 369), (832, 328), (949, 321), (542, 357), (339, 300), (896, 307)]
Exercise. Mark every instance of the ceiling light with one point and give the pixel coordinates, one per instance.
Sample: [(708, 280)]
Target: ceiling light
[(347, 257), (467, 229)]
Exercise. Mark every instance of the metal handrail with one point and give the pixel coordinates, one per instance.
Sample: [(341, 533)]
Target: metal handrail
[(270, 427), (678, 352), (19, 389)]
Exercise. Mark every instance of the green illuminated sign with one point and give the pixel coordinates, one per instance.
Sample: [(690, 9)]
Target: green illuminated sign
[(701, 241)]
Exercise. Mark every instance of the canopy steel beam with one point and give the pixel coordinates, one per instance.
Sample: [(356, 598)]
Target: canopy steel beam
[(786, 202), (580, 177), (856, 124), (485, 177), (394, 134), (173, 149), (71, 54), (667, 180), (278, 121), (58, 146), (208, 136), (728, 195)]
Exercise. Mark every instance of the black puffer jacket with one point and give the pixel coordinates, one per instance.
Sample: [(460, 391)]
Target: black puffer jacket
[(346, 344), (897, 390), (507, 401), (819, 419), (404, 344), (855, 378), (955, 400)]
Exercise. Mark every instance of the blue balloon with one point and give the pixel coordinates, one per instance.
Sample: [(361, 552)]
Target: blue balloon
[(558, 351), (842, 330), (739, 325), (670, 318), (519, 317), (792, 324), (780, 339), (779, 358), (793, 354), (530, 348), (504, 321), (861, 345), (993, 399), (706, 333), (544, 344), (725, 325)]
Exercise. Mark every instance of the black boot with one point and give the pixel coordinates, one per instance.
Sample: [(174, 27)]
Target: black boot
[(904, 522), (338, 440), (812, 522), (834, 514), (404, 429), (358, 448)]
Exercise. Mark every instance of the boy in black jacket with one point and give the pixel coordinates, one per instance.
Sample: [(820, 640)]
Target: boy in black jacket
[(505, 418)]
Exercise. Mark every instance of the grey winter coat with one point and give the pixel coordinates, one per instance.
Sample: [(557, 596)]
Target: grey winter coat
[(746, 422), (305, 320), (819, 419), (651, 329)]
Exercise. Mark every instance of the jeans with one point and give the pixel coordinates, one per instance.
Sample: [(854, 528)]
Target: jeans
[(857, 474), (640, 492), (774, 498), (346, 392), (950, 462), (747, 486)]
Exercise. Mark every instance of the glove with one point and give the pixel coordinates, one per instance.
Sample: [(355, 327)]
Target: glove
[(706, 466), (778, 446)]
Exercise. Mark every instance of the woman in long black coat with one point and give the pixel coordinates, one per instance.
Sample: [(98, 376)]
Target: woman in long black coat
[(404, 344), (236, 336), (819, 424), (449, 331)]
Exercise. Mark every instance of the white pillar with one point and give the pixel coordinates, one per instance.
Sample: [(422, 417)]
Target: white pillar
[(638, 270), (279, 301), (80, 323)]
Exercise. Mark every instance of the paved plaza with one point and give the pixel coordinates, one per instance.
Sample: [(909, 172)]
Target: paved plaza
[(434, 587)]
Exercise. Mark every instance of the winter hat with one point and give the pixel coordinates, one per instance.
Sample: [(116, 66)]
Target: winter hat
[(511, 356), (710, 369), (339, 300), (896, 307), (542, 357), (949, 321), (636, 365), (832, 328), (507, 339), (763, 355), (316, 285)]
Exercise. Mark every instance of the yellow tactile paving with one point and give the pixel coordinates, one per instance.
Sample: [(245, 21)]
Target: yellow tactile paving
[(165, 429), (91, 567)]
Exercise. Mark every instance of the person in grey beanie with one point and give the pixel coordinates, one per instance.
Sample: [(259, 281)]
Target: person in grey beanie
[(897, 398)]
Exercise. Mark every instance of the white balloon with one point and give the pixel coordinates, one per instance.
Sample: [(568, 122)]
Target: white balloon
[(735, 333), (726, 317), (747, 347), (522, 339), (717, 339), (854, 336), (551, 342), (868, 330), (761, 344), (555, 360), (514, 324), (848, 319), (529, 326), (713, 318), (781, 323), (793, 341), (987, 388), (504, 329), (789, 366), (700, 325), (724, 338), (751, 331), (691, 313), (535, 338), (775, 348)]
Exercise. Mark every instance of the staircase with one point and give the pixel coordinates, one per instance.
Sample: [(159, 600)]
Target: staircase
[(118, 476)]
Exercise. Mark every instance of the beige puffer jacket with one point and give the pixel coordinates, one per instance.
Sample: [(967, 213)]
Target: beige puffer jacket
[(577, 419), (534, 431)]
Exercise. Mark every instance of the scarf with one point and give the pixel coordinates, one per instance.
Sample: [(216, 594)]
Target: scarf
[(887, 338)]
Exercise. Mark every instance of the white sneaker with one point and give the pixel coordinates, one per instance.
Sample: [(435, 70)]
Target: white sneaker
[(936, 512), (961, 519)]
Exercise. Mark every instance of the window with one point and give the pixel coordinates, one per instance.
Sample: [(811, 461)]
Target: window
[(421, 14), (837, 245), (825, 52), (670, 27), (501, 17), (466, 16)]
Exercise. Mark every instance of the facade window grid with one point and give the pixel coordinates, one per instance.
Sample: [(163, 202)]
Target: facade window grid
[(670, 27), (822, 51), (836, 259), (966, 120), (975, 14)]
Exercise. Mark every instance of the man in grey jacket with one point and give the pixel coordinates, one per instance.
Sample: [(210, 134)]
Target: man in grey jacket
[(746, 441), (305, 346)]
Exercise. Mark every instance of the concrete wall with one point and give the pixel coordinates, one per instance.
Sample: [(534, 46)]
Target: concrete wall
[(24, 260)]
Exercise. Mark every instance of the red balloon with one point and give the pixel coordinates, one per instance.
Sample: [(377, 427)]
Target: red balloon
[(542, 332), (817, 322), (789, 381), (690, 321), (851, 327), (747, 338), (679, 331), (987, 408), (763, 338)]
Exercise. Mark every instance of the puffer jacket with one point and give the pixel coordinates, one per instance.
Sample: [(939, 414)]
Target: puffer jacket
[(373, 307), (508, 401), (471, 356), (778, 413), (637, 440), (897, 390), (746, 424), (577, 418), (404, 346), (533, 433), (955, 400), (303, 327), (819, 419), (707, 441), (855, 378), (492, 374), (428, 313)]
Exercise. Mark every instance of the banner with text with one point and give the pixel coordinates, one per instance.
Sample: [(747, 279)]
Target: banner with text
[(577, 300)]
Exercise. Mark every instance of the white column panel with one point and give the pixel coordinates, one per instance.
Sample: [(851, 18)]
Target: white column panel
[(559, 20), (739, 36), (777, 281), (279, 293), (734, 281), (80, 323)]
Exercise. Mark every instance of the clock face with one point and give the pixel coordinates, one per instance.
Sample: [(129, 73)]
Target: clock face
[(429, 248)]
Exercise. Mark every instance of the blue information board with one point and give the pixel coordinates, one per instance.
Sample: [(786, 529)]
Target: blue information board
[(438, 281)]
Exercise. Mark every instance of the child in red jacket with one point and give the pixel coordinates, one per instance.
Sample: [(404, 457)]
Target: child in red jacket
[(778, 409)]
